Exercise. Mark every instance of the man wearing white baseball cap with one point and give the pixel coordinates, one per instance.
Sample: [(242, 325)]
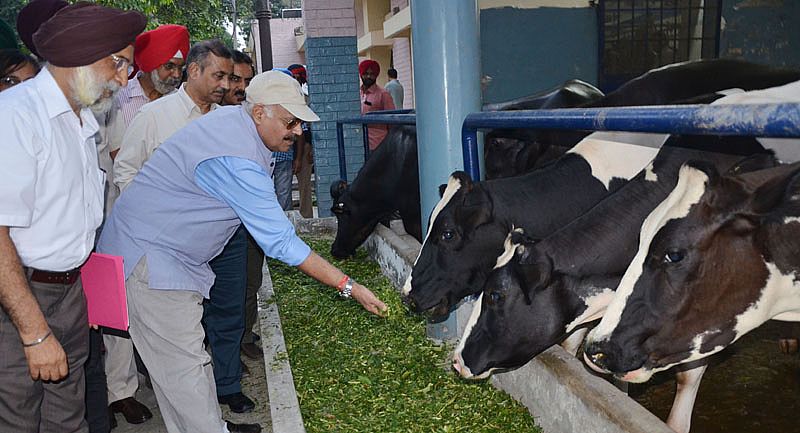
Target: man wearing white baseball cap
[(178, 213)]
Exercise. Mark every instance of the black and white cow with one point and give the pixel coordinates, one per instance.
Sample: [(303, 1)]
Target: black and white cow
[(717, 258), (470, 222), (388, 181), (540, 292)]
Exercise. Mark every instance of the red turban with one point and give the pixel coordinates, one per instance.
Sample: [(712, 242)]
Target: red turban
[(156, 47), (83, 33), (369, 64), (297, 69), (32, 16)]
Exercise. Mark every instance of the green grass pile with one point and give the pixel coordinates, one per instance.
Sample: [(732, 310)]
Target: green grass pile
[(358, 373)]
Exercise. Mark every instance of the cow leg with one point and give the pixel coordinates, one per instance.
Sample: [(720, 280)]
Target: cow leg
[(573, 342), (688, 381)]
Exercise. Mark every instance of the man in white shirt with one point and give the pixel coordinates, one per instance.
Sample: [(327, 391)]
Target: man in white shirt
[(51, 203), (209, 67), (160, 56)]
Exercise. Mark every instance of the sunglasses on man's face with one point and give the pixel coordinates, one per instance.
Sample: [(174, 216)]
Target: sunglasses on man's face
[(291, 123)]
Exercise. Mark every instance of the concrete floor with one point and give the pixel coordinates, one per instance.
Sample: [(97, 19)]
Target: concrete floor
[(253, 386)]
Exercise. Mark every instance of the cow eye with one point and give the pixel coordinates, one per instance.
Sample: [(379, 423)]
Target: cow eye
[(338, 208), (495, 297), (447, 235), (673, 256)]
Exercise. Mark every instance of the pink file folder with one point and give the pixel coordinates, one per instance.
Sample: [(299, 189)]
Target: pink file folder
[(104, 284)]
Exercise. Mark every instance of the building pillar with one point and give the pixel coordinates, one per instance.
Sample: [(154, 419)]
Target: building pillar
[(446, 56), (333, 82)]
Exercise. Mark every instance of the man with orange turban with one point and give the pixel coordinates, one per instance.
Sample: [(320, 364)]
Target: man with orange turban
[(373, 98), (160, 56)]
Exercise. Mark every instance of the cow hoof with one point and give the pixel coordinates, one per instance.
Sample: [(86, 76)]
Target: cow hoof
[(788, 346)]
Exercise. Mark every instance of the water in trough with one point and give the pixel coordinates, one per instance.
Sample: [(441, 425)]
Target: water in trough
[(749, 387)]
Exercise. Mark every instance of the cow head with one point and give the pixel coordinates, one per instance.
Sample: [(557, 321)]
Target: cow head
[(454, 259), (704, 274), (499, 334), (354, 224)]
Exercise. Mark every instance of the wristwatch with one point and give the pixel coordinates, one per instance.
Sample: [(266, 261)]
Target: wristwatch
[(347, 291)]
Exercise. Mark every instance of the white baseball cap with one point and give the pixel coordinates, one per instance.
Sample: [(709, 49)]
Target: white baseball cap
[(275, 87)]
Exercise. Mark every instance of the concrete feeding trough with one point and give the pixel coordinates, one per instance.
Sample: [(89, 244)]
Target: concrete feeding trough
[(555, 387)]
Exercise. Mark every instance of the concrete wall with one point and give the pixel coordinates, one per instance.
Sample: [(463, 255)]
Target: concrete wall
[(524, 51), (763, 31), (284, 46)]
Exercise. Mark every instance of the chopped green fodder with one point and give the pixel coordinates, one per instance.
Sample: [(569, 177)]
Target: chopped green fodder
[(358, 373)]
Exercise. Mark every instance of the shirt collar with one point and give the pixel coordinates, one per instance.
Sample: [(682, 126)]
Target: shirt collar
[(188, 103), (55, 101), (135, 88), (371, 89)]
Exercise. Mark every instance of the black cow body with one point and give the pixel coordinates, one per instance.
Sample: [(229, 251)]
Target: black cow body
[(388, 181)]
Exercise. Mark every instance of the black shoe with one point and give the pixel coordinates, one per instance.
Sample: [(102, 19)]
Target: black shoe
[(252, 351), (112, 420), (133, 411), (238, 402), (243, 428)]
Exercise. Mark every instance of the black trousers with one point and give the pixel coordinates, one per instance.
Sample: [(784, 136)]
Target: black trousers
[(96, 394)]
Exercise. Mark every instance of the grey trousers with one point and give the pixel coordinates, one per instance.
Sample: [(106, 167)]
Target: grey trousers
[(165, 328), (121, 374), (28, 406)]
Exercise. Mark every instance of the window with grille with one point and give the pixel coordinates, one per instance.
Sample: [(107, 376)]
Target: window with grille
[(639, 35)]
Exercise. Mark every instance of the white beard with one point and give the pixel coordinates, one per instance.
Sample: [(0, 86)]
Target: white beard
[(89, 90), (163, 86)]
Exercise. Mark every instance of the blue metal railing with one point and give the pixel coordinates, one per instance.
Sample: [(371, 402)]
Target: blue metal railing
[(387, 117), (763, 120)]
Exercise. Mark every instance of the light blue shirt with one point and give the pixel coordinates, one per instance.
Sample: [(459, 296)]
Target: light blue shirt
[(249, 191)]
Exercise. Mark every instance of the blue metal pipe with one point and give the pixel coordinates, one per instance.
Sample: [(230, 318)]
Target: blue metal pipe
[(762, 120), (388, 117)]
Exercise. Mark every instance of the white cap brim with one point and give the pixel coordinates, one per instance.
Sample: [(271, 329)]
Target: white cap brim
[(301, 111)]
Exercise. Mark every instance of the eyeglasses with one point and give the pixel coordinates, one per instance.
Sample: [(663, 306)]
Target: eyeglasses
[(10, 81), (291, 124), (122, 64)]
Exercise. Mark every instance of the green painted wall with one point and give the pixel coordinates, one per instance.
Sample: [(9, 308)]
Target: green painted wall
[(529, 50)]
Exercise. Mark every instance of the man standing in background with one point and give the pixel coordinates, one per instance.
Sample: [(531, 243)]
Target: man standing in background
[(373, 98), (394, 88)]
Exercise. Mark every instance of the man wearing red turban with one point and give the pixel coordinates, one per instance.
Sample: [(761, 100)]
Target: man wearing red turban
[(373, 98), (160, 56), (52, 205)]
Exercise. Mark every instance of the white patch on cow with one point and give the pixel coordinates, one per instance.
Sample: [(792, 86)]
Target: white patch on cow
[(687, 192), (780, 297), (509, 249), (649, 174), (618, 154), (788, 220), (453, 185), (731, 91), (595, 307), (473, 319)]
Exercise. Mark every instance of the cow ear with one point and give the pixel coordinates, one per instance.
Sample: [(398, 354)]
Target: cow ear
[(519, 237), (781, 193), (755, 162), (338, 188), (475, 210), (536, 269), (464, 179), (709, 169)]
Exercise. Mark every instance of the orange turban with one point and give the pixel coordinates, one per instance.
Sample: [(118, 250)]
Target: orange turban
[(156, 47)]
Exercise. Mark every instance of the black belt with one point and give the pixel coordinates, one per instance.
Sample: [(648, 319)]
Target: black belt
[(47, 277)]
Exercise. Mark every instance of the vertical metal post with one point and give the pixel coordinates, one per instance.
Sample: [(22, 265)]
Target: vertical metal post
[(263, 14), (446, 57), (340, 143)]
